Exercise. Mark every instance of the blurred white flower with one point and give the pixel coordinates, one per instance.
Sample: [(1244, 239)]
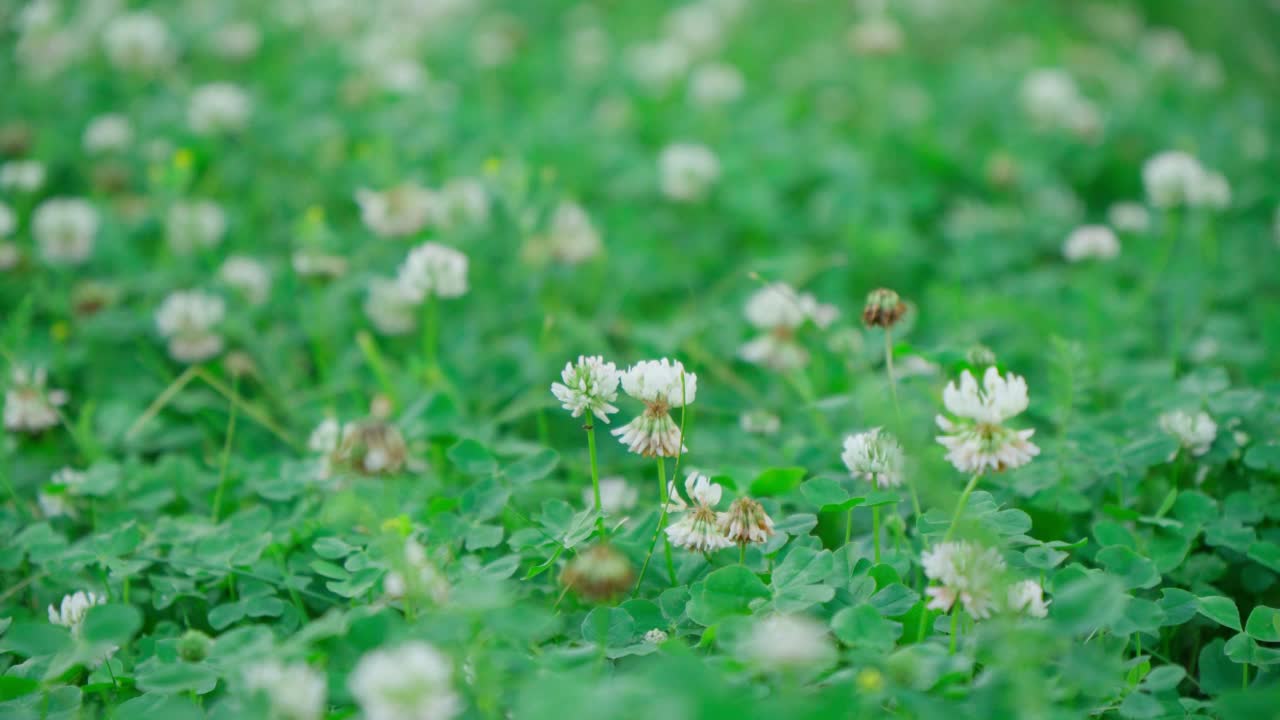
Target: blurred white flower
[(590, 385), (324, 438), (589, 49), (571, 237), (433, 270), (661, 385), (1129, 217), (657, 66), (138, 42), (463, 201), (878, 35), (8, 221), (107, 133), (54, 505), (1174, 178), (1027, 597), (416, 577), (656, 636), (187, 320), (65, 229), (1052, 100), (716, 83), (28, 405), (314, 263), (1194, 432), (787, 642), (698, 529), (25, 176), (1165, 48), (1091, 242), (400, 211), (218, 108), (410, 682), (616, 495), (294, 690), (1211, 190), (391, 310), (875, 457), (10, 256), (687, 171), (237, 41), (70, 613), (778, 310), (965, 572), (759, 422), (978, 441), (697, 27), (248, 276), (192, 225)]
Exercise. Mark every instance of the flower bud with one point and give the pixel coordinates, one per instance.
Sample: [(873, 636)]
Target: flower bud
[(194, 646), (883, 309), (981, 357)]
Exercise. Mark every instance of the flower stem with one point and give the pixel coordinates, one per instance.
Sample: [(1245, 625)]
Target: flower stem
[(666, 541), (226, 449), (964, 499), (430, 342), (595, 477), (662, 521), (742, 554), (875, 531), (888, 370), (955, 629)]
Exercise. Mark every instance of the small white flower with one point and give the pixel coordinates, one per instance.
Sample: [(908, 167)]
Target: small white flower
[(462, 201), (192, 225), (237, 41), (26, 176), (10, 256), (391, 310), (874, 457), (662, 385), (416, 576), (138, 42), (965, 572), (68, 478), (218, 108), (876, 36), (28, 405), (411, 682), (687, 171), (715, 84), (1129, 217), (1194, 432), (759, 422), (295, 690), (1050, 96), (324, 438), (55, 504), (70, 614), (1171, 178), (187, 319), (616, 495), (697, 27), (657, 65), (107, 133), (1091, 242), (1210, 190), (8, 220), (978, 440), (778, 311), (571, 237), (65, 229), (656, 636), (784, 642), (313, 263), (248, 276), (746, 522), (1027, 597), (432, 269), (698, 528), (400, 211), (590, 385)]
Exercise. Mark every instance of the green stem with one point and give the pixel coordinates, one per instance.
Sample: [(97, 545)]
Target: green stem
[(888, 370), (955, 629), (964, 499), (875, 531), (226, 449), (662, 521), (666, 541), (742, 554), (595, 477), (372, 355), (430, 343), (1244, 683), (848, 527)]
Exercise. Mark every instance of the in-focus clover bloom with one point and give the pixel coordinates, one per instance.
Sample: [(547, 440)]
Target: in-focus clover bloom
[(70, 613), (661, 385), (698, 528), (874, 456), (64, 229), (187, 320), (1195, 432), (411, 682), (746, 522), (295, 691), (589, 385), (964, 572), (1091, 241), (433, 270), (977, 440), (28, 405)]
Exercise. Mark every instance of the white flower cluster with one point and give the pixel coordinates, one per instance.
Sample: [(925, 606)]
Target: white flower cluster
[(616, 495), (1129, 217), (400, 211), (1053, 101), (1194, 432), (192, 225), (410, 682), (1091, 242), (875, 457), (692, 32), (570, 236), (965, 572), (70, 613), (876, 35), (661, 385), (248, 276), (430, 270), (1173, 178), (296, 691), (138, 42), (777, 310), (26, 176), (28, 405), (187, 319), (687, 171), (716, 83), (218, 108), (107, 133), (787, 642), (590, 385), (978, 441), (65, 229), (698, 528), (65, 483), (416, 577)]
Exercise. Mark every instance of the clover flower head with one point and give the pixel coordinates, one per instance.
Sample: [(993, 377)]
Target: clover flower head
[(571, 237), (1195, 432), (687, 171), (1129, 217), (616, 495), (964, 572), (192, 225), (296, 691), (589, 385), (746, 522), (399, 211), (138, 42), (716, 83), (656, 636), (414, 680), (433, 270), (28, 405), (70, 613), (786, 642), (250, 277), (187, 319), (759, 422), (1091, 242), (978, 441), (416, 576), (22, 175), (218, 108), (391, 310), (1171, 178), (1026, 597), (874, 456), (599, 573), (64, 229), (107, 133), (662, 385)]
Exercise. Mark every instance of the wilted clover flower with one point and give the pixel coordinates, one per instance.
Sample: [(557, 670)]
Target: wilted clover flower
[(778, 310), (964, 572), (598, 574), (294, 690), (65, 228), (192, 225), (875, 457), (883, 308), (1026, 597), (787, 642), (1091, 241), (746, 522), (70, 614), (977, 440), (433, 270), (413, 681), (698, 528), (28, 405), (590, 385), (371, 446), (687, 171), (138, 42), (662, 385), (417, 576), (218, 108), (399, 211), (187, 320), (1194, 432)]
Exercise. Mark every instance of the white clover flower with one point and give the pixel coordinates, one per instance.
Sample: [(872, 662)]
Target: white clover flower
[(590, 385), (400, 211), (1027, 598), (1165, 48), (699, 527), (463, 201), (571, 237), (978, 440), (417, 576), (237, 41), (313, 263), (878, 35), (1194, 432), (616, 495), (1049, 96), (70, 614), (28, 405), (433, 270), (1171, 178), (54, 505), (295, 690), (914, 366), (1129, 217), (65, 229), (8, 220), (107, 133), (965, 572), (138, 42), (786, 642), (187, 319), (10, 256), (716, 83), (687, 171), (248, 276), (746, 522), (759, 422), (324, 438), (1091, 242), (656, 636), (657, 66), (411, 682), (778, 310), (697, 27), (391, 310), (69, 478), (661, 385), (1210, 190), (218, 108), (192, 225), (26, 176), (874, 457)]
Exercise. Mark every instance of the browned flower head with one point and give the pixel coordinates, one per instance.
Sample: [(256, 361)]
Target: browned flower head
[(746, 522), (372, 447), (598, 574), (883, 309)]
